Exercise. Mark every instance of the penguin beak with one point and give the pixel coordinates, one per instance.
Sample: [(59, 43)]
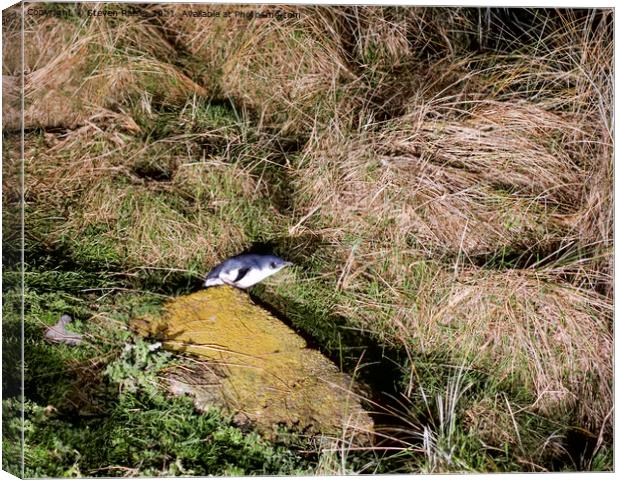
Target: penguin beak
[(288, 264)]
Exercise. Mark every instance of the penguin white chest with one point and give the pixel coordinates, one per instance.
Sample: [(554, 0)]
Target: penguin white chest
[(251, 277)]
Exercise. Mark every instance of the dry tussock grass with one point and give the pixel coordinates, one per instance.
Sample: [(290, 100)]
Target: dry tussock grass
[(11, 191), (281, 69), (548, 337), (96, 64), (186, 219), (300, 74), (11, 40), (518, 147), (569, 70), (468, 178), (472, 186), (11, 69), (161, 236), (59, 167), (552, 337), (145, 231)]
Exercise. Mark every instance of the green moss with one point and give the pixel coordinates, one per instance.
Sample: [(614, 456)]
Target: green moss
[(12, 456), (148, 436)]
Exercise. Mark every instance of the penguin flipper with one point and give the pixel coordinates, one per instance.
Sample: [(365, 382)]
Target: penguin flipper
[(242, 272), (231, 277)]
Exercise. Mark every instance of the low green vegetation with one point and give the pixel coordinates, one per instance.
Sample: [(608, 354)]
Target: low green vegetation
[(100, 409)]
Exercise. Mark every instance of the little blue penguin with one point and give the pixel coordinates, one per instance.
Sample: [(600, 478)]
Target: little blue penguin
[(243, 271)]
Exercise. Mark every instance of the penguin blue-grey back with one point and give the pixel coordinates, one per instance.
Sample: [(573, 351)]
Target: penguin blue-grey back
[(243, 271)]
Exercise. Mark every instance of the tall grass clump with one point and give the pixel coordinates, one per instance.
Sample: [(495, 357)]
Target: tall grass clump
[(482, 185)]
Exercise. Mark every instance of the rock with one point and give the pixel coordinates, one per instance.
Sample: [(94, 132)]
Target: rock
[(255, 367), (59, 333)]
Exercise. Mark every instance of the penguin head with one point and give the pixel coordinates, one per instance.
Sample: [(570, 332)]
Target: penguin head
[(273, 264)]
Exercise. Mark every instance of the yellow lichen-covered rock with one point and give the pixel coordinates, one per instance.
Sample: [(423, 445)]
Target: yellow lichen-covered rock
[(253, 365)]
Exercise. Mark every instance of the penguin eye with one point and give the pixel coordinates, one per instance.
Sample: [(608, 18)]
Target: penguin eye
[(273, 265)]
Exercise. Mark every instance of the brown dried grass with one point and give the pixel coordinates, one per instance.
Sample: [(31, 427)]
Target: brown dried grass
[(474, 186), (553, 338), (462, 176), (549, 338), (284, 71), (73, 69)]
